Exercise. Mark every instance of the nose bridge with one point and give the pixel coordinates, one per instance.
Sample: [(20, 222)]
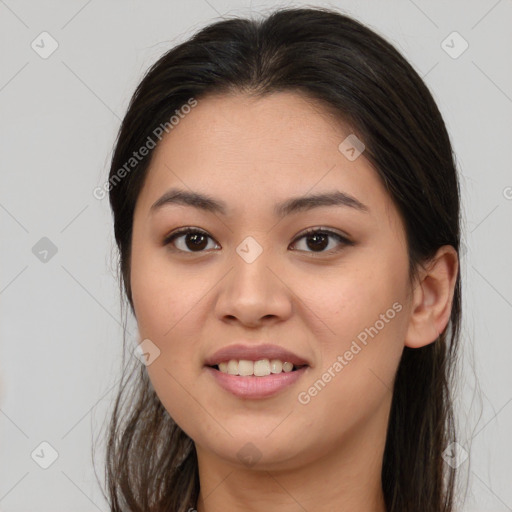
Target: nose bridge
[(251, 260), (250, 249), (252, 290)]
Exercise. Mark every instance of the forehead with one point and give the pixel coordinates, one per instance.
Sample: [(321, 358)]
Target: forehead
[(257, 151), (234, 127)]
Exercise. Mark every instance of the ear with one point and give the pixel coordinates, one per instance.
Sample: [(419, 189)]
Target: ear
[(432, 298)]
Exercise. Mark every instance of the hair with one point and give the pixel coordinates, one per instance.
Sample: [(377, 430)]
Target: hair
[(151, 464)]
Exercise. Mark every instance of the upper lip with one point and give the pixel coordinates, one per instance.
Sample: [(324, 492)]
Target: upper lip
[(254, 353)]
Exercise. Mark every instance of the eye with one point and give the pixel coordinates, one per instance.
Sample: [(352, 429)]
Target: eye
[(195, 240), (319, 240)]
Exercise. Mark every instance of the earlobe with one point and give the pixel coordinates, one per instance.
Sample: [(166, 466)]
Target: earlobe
[(432, 298)]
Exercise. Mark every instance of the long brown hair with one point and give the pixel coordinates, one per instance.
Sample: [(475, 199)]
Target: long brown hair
[(151, 463)]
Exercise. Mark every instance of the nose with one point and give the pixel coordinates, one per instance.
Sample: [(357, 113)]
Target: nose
[(254, 293)]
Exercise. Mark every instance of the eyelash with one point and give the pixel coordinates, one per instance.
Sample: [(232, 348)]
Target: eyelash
[(312, 231)]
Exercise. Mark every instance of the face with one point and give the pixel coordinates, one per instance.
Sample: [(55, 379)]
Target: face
[(249, 275)]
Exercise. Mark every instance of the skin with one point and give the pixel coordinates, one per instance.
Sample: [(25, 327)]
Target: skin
[(253, 153)]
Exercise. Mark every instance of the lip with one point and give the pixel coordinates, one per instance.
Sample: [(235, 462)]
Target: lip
[(254, 353), (252, 387)]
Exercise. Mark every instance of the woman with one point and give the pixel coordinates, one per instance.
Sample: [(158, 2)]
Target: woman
[(286, 207)]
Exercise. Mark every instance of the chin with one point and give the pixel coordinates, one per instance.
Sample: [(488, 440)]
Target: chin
[(257, 449)]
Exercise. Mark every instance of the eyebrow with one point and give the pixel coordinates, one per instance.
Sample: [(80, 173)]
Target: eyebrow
[(292, 205)]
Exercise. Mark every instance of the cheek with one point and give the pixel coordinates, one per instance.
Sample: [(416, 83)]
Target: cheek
[(166, 306), (354, 378), (363, 313), (160, 301), (344, 302), (162, 294)]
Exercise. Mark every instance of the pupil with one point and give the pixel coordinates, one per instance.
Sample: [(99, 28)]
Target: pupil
[(318, 244), (195, 238)]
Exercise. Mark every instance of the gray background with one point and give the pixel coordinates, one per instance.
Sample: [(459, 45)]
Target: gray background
[(60, 322)]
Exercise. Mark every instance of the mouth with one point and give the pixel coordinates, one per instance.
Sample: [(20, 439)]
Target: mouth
[(251, 371), (253, 380)]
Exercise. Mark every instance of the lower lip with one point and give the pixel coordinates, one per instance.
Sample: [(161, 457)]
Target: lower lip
[(256, 387)]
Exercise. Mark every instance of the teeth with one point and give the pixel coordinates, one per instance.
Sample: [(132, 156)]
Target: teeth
[(276, 366), (232, 368), (287, 367), (245, 367), (260, 368)]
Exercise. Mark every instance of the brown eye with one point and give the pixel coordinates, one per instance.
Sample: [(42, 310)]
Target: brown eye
[(189, 240), (317, 240)]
